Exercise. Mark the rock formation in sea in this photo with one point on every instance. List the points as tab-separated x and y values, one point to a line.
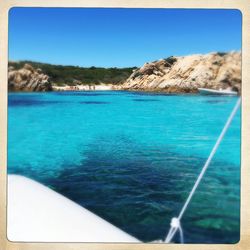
188	73
28	79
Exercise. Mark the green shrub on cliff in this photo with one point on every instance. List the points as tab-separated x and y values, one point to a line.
170	60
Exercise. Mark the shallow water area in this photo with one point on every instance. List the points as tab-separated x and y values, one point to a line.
132	157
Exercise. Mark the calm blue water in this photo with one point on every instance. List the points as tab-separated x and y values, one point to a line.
132	158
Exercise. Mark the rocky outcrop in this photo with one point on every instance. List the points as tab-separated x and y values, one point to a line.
188	73
28	79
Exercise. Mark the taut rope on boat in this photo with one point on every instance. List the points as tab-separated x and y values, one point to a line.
175	224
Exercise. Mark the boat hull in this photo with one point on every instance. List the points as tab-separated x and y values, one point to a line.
204	91
36	213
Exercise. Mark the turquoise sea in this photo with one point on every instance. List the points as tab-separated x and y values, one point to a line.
132	157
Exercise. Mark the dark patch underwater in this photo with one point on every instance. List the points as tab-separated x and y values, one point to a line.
141	93
139	189
30	102
216	101
82	93
145	100
94	102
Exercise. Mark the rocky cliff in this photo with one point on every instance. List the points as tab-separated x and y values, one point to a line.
188	73
27	79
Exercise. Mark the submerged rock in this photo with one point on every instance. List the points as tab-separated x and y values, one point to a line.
188	73
28	79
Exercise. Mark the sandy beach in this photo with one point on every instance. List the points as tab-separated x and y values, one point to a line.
83	87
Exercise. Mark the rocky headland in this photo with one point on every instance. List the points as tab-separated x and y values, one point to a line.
182	74
188	73
28	79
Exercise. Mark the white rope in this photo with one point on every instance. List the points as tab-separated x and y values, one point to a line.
174	227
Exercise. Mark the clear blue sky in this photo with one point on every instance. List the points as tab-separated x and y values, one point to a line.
118	37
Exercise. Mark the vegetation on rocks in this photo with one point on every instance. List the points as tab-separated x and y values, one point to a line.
74	75
173	74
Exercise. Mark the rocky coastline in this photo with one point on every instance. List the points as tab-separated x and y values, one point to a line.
187	74
184	74
28	79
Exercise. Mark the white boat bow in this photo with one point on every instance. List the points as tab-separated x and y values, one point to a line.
36	213
205	91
